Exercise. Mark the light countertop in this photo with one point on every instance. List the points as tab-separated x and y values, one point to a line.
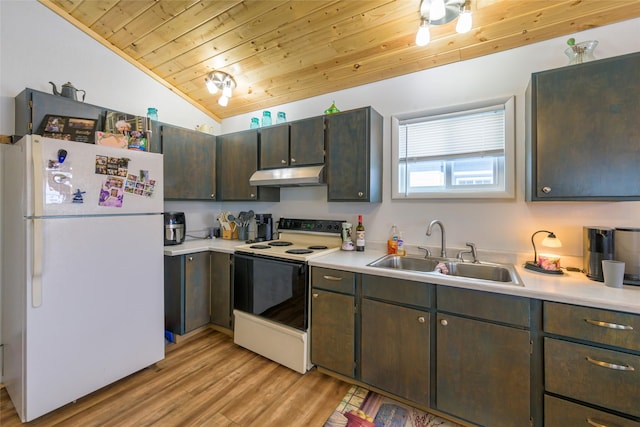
200	245
571	287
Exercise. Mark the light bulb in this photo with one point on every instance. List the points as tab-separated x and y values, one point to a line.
464	22
424	36
211	86
223	101
226	91
437	11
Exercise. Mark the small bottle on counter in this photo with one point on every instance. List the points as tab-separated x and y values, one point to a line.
360	235
255	123
392	242
400	250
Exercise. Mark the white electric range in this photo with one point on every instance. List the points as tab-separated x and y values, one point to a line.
271	289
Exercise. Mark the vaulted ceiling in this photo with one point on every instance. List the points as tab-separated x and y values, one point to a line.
280	51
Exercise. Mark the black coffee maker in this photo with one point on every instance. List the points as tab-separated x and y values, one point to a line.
264	227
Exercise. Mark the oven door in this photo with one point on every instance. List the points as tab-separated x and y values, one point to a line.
272	288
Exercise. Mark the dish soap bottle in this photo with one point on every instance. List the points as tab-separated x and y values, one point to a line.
392	243
360	235
400	251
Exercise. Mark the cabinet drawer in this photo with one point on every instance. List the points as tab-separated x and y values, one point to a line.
485	305
593	324
334	280
606	378
396	290
562	413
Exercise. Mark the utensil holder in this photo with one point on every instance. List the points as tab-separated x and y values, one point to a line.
230	234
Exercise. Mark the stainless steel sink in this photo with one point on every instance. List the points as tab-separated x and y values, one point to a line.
497	273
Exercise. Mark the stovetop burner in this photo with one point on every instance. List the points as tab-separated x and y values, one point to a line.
299	251
280	243
260	247
318	247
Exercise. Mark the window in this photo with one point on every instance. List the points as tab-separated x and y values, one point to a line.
461	152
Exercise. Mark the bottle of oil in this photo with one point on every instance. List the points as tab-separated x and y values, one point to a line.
360	235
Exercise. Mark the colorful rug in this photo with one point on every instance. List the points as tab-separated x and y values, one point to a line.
363	408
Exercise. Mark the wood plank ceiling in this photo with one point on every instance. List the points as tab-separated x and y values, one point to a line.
281	51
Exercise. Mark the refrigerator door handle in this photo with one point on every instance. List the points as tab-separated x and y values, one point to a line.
38	178
36	277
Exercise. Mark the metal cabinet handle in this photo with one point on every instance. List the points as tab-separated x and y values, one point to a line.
213	195
608	325
595	423
283	161
315	295
293	160
190	258
334	278
546	190
360	194
421	319
610	365
444	322
252	196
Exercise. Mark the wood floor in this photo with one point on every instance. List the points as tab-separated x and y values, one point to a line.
205	380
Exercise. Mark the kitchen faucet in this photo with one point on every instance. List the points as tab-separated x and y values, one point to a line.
443	243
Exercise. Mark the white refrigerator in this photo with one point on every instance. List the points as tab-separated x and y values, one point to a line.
82	269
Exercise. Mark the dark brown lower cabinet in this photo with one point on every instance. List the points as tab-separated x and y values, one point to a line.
482	371
333	334
395	349
221	267
603	377
562	413
187	292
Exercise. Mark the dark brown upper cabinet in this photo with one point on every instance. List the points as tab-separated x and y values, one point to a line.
189	164
354	156
298	143
237	161
583	131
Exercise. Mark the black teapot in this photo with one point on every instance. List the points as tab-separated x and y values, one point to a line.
68	91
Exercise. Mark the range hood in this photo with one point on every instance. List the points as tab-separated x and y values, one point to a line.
289	177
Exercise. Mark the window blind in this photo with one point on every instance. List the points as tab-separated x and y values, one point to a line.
478	133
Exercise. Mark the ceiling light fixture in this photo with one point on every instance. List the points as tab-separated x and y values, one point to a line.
439	12
219	80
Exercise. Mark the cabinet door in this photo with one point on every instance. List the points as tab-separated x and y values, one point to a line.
196	290
584	131
274	147
333	331
307	142
237	161
395	350
173	302
221	289
189	164
354	156
482	371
